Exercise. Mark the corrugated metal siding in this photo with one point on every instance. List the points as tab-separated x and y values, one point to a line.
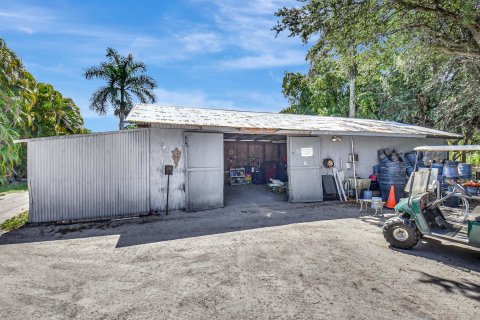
89	177
366	148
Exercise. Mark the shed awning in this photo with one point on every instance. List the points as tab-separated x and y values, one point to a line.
269	122
456	148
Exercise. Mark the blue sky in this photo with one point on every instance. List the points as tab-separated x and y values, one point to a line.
219	54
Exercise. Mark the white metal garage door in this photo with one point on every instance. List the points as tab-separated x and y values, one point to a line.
204	170
304	169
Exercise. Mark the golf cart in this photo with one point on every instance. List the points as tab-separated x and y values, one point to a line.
423	213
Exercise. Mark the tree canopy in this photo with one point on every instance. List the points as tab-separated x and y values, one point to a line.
29	109
125	80
414	61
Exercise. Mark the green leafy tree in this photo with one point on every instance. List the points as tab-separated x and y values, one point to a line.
27	110
416	61
342	30
322	91
52	114
125	79
11	99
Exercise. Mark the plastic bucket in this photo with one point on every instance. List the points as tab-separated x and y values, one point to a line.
367	194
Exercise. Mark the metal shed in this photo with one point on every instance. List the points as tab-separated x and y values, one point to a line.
105	175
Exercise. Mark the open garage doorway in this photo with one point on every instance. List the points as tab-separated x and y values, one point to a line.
255	169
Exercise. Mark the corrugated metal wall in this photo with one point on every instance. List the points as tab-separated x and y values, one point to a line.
89	177
366	147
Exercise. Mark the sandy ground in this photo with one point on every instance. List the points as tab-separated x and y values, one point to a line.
283	261
12	204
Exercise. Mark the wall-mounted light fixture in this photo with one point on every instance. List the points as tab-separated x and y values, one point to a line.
336	139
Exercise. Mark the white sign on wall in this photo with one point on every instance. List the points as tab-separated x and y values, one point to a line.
306	152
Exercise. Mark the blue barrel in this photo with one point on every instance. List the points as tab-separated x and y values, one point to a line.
465	171
409	170
472	190
410	157
392	174
438	166
450	169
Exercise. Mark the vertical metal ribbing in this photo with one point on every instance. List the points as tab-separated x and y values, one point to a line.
89	176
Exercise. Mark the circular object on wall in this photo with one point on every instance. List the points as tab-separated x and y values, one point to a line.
328	163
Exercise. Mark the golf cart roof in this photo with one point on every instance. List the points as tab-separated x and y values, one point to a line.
448	148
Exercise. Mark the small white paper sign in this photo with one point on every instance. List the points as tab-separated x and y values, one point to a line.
306	152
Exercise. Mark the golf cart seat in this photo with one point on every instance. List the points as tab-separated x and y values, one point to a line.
474	215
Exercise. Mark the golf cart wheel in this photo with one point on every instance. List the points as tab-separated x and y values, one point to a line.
401	233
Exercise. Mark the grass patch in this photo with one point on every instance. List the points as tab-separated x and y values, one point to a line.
15	187
15	222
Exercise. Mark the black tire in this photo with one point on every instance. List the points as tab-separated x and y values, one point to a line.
401	233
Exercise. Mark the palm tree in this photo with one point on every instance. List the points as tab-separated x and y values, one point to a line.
124	78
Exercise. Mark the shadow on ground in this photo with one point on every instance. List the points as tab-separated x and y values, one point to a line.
466	288
181	225
449	253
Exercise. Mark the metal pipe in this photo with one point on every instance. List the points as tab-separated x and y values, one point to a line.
413	180
354	171
168	188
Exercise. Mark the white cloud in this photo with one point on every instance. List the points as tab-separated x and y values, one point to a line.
267	60
247	27
201	42
26	19
191	98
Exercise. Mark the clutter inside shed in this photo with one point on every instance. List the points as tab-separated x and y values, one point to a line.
255	160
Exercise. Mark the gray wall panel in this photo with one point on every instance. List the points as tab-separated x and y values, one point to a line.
304	169
89	176
366	148
162	143
204	170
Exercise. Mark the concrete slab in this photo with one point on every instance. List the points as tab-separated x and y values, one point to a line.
12	204
253	194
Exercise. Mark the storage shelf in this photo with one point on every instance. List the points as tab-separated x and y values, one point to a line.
237	176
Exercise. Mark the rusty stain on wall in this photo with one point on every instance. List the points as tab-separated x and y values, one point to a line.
176	154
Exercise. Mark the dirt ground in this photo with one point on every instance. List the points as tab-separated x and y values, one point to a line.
285	261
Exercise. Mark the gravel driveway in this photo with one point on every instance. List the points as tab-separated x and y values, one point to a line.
286	261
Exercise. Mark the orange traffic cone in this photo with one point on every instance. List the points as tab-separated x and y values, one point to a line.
391	202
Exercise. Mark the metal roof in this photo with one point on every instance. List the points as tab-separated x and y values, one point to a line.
458	148
269	122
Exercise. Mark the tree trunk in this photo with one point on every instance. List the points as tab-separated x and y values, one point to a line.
122	120
121	113
352	76
466	141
